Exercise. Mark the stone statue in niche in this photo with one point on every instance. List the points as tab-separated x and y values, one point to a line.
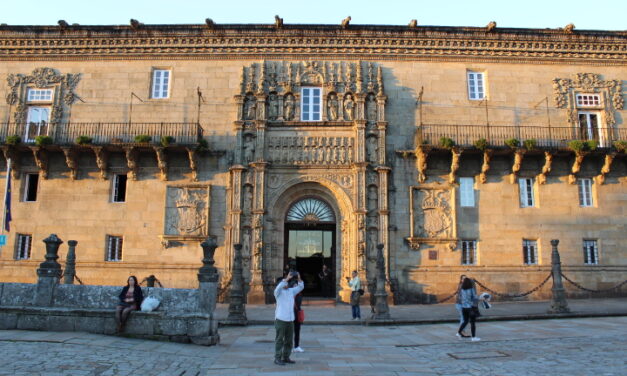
332	107
273	107
372	243
371	148
288	107
250	107
349	108
371	108
249	149
372	200
248	200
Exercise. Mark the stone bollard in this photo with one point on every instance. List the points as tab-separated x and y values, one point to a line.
208	277
49	273
381	309
70	263
237	311
558	294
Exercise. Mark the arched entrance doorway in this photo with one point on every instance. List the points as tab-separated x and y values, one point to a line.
310	237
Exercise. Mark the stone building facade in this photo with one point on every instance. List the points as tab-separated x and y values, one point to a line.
461	150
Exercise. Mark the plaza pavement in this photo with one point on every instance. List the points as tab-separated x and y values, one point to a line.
562	346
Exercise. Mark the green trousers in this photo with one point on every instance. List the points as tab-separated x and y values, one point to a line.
283	341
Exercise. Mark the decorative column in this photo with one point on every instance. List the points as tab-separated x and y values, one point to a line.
70	263
237	311
235	212
256	292
381	309
384	214
207	277
558	294
49	273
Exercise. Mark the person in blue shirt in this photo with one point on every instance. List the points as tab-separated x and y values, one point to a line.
468	300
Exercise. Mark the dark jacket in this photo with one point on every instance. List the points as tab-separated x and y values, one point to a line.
298	300
138	295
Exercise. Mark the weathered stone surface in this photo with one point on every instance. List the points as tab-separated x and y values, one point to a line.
17	294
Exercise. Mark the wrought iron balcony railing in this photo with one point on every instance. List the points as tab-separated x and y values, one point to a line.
546	137
102	133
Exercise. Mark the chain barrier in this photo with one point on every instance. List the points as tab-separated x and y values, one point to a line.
515	295
78	279
591	290
448	297
157	281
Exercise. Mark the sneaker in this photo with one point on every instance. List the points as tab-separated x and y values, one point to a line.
288	360
279	362
461	335
475	339
298	349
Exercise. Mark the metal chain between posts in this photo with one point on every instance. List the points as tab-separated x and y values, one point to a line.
78	279
515	295
448	297
591	290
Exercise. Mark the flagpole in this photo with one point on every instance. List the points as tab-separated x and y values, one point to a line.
6	189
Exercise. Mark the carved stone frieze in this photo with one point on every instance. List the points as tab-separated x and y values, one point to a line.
187	211
310	150
432	216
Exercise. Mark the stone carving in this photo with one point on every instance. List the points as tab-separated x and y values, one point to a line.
548	160
372	200
421	163
455	155
11	153
332	105
485	167
569	29
432	217
273	107
41	160
579	156
372	149
310	150
518	158
564	91
413	24
162	162
248	201
71	161
131	160
605	169
490	27
371	108
192	156
187	210
288	107
345	22
349	107
250	107
249	149
278	22
102	160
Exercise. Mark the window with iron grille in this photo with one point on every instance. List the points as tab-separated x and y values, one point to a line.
585	192
469	252
466	192
160	83
588	100
114	248
530	252
527	198
310	105
118	193
590	252
476	85
23	246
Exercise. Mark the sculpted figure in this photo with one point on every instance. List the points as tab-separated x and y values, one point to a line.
372	149
249	108
371	108
273	107
332	107
249	150
349	108
288	108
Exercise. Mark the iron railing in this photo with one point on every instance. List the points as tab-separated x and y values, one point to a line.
103	133
546	137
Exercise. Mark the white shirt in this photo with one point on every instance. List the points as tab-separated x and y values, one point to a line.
285	300
355	284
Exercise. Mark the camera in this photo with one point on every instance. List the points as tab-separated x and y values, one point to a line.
294	280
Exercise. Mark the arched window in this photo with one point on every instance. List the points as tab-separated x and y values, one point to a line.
310	210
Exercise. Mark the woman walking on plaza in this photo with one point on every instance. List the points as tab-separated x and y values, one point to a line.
355	285
130	299
469	302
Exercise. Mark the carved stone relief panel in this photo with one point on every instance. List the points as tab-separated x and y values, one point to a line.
298	150
187	210
432	216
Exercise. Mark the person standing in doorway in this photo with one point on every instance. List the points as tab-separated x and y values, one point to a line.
469	302
325	280
284	294
355	285
298	301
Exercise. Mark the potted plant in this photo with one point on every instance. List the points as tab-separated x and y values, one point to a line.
592	144
446	143
481	144
83	140
576	145
143	139
13	140
166	140
202	146
512	143
530	144
43	140
621	146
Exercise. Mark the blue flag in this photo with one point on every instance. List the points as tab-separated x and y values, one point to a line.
7	202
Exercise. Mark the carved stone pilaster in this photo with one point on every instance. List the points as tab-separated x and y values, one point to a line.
41	160
71	161
132	155
421	163
192	156
519	154
574	170
384	213
485	166
102	160
455	155
607	164
162	161
548	160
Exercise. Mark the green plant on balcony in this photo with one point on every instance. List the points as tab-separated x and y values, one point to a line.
592	144
83	140
43	140
167	140
202	146
530	144
621	146
446	143
512	143
143	139
481	144
576	145
13	140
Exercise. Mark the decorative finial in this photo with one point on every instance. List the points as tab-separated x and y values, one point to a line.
413	23
209	22
569	29
278	22
345	22
135	25
490	27
62	24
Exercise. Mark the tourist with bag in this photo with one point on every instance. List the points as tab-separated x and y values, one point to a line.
355	285
131	298
470	310
299	318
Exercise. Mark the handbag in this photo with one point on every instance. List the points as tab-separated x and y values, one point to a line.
300	316
360	291
474	312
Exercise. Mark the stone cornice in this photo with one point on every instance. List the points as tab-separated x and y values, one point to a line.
365	42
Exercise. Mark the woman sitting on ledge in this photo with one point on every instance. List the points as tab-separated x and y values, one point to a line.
130	299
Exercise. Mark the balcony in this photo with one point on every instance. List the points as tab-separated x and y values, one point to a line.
103	133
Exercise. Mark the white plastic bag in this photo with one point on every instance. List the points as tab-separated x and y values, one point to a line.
150	304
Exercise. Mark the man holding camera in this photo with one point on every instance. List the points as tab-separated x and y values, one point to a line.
284	294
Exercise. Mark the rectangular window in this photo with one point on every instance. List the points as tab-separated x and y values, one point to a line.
467	192
160	83
118	193
590	252
476	86
526	192
469	252
588	100
114	248
585	192
23	246
31	184
310	105
39	95
530	252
